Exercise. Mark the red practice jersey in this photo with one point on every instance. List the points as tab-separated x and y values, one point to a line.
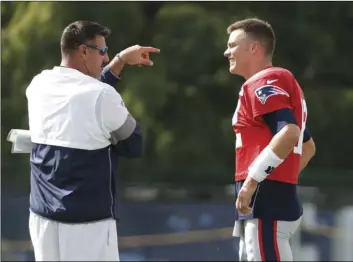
269	90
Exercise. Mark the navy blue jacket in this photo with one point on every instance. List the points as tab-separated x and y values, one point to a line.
76	186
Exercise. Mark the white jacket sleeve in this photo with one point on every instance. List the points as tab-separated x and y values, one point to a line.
113	117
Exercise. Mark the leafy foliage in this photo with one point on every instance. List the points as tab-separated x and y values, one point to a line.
186	100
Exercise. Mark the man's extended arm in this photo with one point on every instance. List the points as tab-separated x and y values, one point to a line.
111	73
131	146
134	55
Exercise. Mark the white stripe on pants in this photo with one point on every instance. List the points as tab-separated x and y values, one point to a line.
262	240
55	241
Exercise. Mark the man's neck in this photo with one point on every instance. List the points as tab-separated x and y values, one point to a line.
257	68
70	64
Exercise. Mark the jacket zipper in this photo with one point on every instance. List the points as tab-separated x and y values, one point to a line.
110	184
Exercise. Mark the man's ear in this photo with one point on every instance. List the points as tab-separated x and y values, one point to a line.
83	51
254	47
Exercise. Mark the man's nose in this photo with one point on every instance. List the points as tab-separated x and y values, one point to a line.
226	53
106	58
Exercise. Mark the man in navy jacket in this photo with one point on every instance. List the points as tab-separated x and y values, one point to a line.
79	124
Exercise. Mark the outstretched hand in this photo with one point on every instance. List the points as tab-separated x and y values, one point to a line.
138	55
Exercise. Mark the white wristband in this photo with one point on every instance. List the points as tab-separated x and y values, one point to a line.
264	164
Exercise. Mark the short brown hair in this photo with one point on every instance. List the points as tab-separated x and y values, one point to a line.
259	30
79	32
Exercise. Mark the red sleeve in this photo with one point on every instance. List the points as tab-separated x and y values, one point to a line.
268	94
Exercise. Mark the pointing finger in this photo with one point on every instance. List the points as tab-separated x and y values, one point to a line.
150	49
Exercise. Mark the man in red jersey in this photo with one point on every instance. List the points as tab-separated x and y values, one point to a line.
272	145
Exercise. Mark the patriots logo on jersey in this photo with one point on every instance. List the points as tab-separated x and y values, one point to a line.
264	92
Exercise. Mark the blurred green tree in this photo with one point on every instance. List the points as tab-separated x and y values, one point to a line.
185	102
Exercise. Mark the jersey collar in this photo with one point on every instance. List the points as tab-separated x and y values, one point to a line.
258	74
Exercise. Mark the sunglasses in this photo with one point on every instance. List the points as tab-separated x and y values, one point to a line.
102	50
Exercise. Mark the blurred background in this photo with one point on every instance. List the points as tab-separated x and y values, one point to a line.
177	203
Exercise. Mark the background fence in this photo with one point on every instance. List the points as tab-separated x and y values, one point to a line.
159	223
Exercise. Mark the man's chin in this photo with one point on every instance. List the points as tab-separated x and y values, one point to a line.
233	70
